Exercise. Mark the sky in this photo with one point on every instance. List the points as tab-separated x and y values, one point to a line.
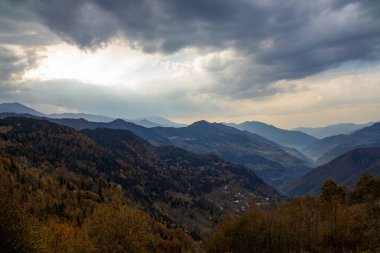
288	63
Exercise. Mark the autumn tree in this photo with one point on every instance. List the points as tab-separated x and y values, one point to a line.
120	228
18	230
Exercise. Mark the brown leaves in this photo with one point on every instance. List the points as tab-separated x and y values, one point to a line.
332	223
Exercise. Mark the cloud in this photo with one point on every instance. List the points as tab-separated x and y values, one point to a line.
14	63
276	40
19	26
344	96
246	47
21	40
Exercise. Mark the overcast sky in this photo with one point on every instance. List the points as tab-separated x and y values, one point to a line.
289	63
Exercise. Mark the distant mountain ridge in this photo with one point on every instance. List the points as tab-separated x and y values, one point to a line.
19	109
143	132
86	116
346	170
331	130
287	138
151	121
326	149
159	121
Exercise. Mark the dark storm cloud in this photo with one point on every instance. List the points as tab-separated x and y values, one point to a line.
278	39
20	27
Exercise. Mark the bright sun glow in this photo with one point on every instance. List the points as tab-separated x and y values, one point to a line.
116	64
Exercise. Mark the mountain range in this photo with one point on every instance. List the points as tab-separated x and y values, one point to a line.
287	138
324	150
346	170
273	163
141	131
150	121
191	190
331	130
277	156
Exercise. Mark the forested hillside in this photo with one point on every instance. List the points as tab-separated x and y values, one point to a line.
107	190
271	162
49	209
174	187
337	221
346	170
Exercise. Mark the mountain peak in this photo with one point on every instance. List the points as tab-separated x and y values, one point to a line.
200	123
253	122
118	121
147	123
256	124
16	107
203	124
